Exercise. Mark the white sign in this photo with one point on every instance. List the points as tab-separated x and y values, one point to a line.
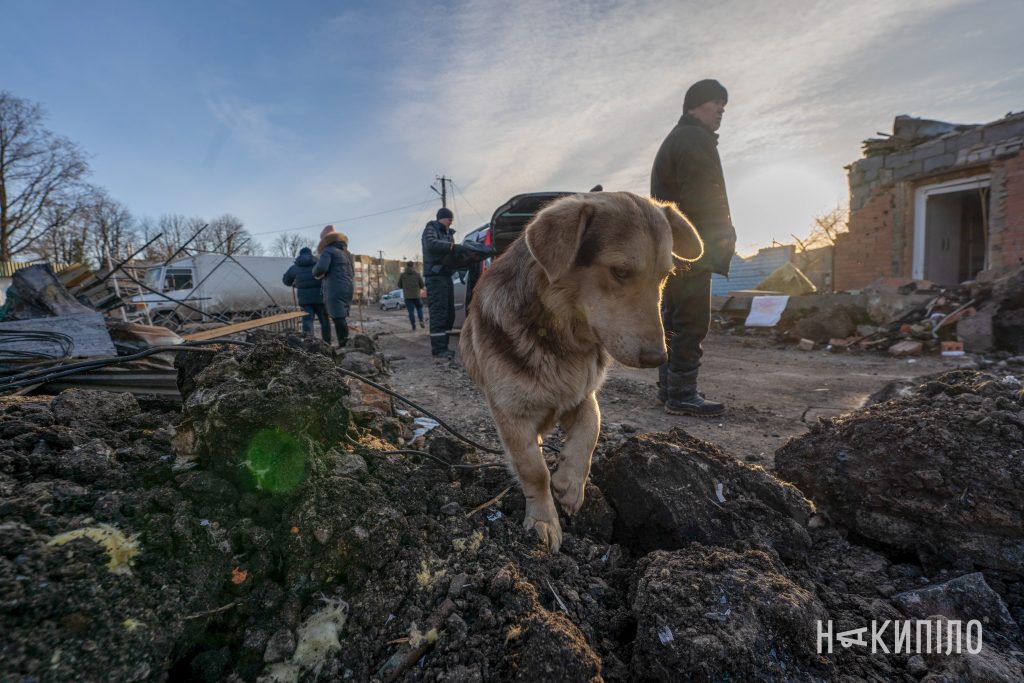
765	311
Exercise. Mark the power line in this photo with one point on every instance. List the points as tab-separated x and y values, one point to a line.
459	190
344	220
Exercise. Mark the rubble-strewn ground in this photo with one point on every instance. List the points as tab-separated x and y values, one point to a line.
264	532
773	392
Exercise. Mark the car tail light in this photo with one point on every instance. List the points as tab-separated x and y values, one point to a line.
487	241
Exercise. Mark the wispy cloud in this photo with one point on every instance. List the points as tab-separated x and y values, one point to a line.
252	124
543	94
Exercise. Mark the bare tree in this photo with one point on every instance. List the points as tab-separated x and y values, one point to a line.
111	228
227	234
174	230
827	228
37	170
66	231
812	250
289	244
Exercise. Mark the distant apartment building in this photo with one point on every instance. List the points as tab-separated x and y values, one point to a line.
374	277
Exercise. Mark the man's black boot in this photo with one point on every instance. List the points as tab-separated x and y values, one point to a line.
684	399
662	384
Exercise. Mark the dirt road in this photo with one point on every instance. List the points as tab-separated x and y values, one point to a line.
770	389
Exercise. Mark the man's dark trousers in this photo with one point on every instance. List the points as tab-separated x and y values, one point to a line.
441	304
415	308
686	314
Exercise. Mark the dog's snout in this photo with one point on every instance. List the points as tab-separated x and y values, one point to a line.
652	358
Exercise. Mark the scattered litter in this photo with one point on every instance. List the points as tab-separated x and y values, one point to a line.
423	425
494	516
665	635
1012	381
120	548
558	598
204	522
718	491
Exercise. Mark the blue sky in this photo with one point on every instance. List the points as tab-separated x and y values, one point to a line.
298	114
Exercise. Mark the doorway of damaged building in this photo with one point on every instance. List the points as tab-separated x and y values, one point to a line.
950	230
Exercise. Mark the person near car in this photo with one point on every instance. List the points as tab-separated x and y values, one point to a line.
335	269
688	172
411	282
439	248
308	293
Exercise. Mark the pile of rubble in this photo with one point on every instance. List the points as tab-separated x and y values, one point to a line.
902	318
270	530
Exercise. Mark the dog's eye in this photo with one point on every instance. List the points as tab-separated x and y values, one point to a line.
620	273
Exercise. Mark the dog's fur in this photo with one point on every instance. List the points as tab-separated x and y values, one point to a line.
582	283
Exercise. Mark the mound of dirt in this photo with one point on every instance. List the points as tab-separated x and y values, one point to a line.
718	614
937	472
672	490
270	532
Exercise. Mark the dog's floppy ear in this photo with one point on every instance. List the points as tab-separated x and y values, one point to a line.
553	237
686	242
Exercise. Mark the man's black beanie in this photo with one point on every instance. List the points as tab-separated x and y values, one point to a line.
704	91
444	213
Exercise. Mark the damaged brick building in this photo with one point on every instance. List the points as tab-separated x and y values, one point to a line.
936	201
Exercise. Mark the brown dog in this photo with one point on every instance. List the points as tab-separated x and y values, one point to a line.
581	283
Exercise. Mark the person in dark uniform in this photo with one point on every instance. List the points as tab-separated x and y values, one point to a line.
688	172
308	293
440	250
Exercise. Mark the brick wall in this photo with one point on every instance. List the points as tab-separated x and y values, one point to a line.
1006	220
880	241
865	253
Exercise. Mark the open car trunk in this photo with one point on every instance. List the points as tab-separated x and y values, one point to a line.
511	217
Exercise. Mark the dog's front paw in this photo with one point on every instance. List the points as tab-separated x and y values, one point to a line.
546	526
569	490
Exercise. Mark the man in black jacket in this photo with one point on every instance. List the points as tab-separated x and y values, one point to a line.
688	172
439	248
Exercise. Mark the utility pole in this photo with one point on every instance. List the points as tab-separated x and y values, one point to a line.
444	189
380	267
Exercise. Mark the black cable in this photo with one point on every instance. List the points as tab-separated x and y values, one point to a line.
344	220
459	190
403	399
431	456
41	359
28	378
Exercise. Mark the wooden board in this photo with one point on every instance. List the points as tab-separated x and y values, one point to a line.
88	330
242	327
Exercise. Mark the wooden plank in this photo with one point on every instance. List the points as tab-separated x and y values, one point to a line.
74	276
87	330
242	327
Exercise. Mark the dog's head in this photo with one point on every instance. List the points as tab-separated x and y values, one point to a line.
607	256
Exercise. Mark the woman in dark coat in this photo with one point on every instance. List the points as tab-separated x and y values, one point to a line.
308	293
336	270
